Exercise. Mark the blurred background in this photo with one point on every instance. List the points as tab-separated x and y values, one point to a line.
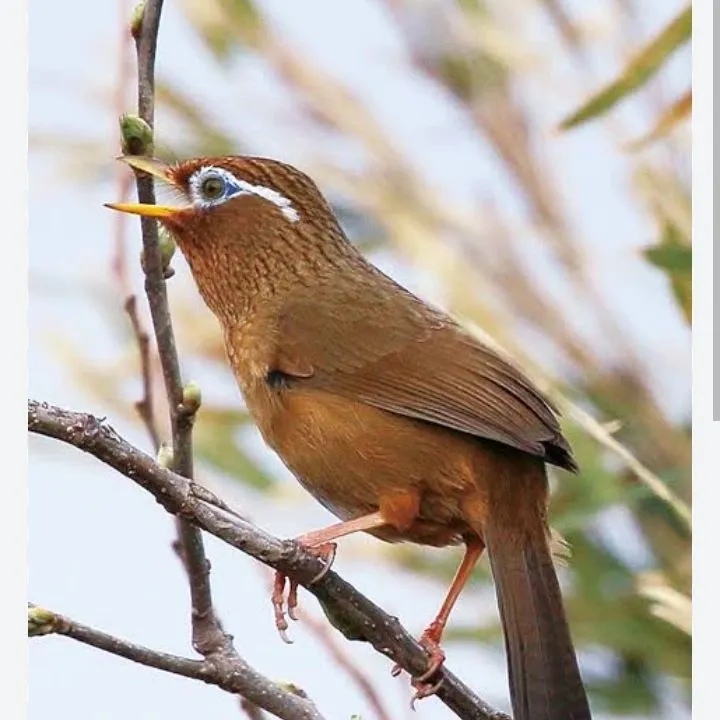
523	163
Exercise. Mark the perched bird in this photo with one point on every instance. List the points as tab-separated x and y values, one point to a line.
386	410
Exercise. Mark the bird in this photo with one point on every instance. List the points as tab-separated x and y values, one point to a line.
386	410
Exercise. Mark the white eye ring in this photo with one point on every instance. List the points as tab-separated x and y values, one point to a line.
233	187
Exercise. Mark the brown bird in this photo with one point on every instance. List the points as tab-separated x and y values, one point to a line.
386	410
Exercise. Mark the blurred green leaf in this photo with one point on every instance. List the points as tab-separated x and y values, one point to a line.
645	64
577	499
631	689
674	256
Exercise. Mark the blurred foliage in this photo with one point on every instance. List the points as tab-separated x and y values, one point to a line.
626	516
666	121
674	256
643	66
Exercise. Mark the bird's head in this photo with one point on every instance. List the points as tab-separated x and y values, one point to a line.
243	223
230	195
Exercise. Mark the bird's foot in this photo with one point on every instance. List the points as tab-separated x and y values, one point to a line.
430	641
287	607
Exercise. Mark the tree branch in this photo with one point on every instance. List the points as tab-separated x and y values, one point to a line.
356	616
238	678
208	635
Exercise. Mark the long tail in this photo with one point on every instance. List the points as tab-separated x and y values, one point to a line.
545	682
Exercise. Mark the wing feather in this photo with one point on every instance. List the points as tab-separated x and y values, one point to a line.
366	340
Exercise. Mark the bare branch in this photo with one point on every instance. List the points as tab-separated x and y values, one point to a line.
235	678
358	617
208	635
144	406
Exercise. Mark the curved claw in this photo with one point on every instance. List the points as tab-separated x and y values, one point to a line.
292	601
282	609
436	656
278	603
285	637
423	690
327	552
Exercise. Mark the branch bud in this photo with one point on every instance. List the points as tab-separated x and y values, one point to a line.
167	246
192	397
293	688
136	20
136	136
40	621
165	456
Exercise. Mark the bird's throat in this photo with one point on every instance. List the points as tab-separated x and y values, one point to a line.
238	274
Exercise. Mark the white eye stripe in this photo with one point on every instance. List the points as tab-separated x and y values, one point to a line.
233	188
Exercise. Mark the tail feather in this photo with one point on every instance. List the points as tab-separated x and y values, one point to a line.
545	682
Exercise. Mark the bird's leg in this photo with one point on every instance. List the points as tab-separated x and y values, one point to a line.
319	542
431	637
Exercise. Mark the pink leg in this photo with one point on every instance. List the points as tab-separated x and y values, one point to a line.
431	637
321	543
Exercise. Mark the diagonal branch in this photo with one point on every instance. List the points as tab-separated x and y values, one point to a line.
356	616
241	680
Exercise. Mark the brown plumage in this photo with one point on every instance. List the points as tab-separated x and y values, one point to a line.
387	411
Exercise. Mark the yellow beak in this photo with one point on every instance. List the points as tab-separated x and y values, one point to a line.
157	169
157	211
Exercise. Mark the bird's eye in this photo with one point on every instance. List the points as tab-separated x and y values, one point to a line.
212	188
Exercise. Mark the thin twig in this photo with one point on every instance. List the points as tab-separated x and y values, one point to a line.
145	405
361	619
119	263
242	680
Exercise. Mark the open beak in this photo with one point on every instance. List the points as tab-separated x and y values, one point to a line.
157	169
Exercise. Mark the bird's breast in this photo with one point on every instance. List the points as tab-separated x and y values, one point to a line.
350	456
